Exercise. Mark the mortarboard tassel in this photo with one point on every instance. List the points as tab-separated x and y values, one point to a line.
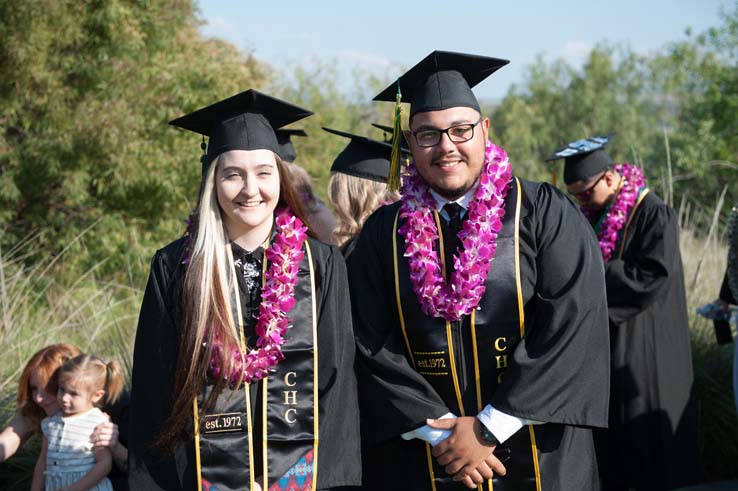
393	180
204	157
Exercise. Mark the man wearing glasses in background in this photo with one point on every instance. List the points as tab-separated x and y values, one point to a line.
479	311
651	443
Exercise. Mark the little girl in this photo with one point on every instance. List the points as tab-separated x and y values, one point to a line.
68	459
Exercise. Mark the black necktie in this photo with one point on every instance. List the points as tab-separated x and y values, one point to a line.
454	216
450	238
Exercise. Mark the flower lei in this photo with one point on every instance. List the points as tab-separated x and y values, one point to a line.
461	295
619	210
277	298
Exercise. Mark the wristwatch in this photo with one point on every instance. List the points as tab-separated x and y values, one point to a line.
487	436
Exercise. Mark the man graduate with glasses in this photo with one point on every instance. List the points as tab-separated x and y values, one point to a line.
480	311
651	443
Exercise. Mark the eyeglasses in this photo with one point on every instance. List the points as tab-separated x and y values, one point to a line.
458	133
587	193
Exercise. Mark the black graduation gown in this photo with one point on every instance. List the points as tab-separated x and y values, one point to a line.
653	415
119	415
726	294
558	373
154	361
348	247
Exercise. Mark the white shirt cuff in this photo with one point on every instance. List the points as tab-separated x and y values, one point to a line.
502	425
428	434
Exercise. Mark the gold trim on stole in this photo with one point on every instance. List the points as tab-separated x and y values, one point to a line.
477	382
264	397
315	366
397	291
476	361
534	448
264	435
518	286
404	335
430	466
521	316
242	339
630	219
198	465
195	414
452	358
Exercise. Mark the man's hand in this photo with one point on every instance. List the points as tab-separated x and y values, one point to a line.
464	454
105	435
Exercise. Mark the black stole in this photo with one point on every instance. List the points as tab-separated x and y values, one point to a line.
484	342
224	441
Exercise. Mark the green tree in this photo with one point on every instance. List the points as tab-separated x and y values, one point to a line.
315	86
86	92
700	76
557	104
685	94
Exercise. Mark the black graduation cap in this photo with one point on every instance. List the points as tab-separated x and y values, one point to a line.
442	80
245	121
583	158
388	130
363	157
287	151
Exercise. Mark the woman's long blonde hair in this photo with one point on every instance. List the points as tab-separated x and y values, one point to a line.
354	199
206	303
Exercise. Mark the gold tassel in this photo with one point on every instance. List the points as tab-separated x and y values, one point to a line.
393	180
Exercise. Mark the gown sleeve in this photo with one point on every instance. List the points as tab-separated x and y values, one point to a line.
339	451
394	398
726	294
560	370
634	283
154	357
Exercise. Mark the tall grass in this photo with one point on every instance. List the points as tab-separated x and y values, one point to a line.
43	303
704	255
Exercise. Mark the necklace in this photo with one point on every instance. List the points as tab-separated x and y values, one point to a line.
478	235
277	298
611	224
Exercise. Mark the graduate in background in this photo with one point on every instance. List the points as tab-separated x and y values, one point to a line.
358	185
724	310
480	298
652	439
320	218
243	363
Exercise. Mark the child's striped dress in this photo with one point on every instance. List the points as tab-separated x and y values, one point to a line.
70	455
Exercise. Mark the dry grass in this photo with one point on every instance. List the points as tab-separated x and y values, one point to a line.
42	305
704	255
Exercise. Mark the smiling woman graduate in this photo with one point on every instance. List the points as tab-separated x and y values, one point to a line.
244	349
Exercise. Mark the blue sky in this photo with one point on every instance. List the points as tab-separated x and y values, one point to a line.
382	36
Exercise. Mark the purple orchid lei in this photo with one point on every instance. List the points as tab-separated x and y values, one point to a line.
462	294
619	210
277	298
